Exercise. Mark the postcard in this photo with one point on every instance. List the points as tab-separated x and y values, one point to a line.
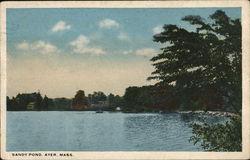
125	80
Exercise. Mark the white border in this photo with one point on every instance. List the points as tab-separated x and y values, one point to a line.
245	154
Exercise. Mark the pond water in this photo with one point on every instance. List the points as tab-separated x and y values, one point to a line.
90	131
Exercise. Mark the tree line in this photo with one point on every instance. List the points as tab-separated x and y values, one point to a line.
21	101
135	99
37	102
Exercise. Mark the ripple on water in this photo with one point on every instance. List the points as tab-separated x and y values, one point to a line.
88	131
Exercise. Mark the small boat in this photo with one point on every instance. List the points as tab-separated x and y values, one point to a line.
99	111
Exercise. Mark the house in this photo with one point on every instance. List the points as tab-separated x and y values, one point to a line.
100	104
31	106
118	108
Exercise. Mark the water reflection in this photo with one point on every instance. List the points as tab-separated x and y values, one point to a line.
188	118
158	132
197	118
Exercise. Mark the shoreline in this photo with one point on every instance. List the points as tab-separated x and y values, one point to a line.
214	113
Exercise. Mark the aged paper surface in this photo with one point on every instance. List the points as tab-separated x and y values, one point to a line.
84	43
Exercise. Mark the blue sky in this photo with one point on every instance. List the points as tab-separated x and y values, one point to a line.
59	51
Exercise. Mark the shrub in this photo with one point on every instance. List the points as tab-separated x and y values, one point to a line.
219	137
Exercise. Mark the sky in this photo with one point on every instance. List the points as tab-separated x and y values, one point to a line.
58	51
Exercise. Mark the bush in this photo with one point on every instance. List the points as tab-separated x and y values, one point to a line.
219	137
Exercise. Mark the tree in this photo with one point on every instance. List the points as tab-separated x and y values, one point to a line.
204	66
111	98
80	101
96	97
219	137
138	99
45	103
11	104
21	101
90	98
164	98
38	101
200	60
118	101
114	101
60	104
130	96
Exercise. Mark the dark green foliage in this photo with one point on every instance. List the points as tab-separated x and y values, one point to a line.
137	99
219	137
11	104
45	103
204	67
115	101
207	60
21	101
61	104
150	98
96	97
163	97
80	99
38	101
111	98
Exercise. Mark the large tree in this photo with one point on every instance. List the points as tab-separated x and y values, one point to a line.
96	97
79	101
200	60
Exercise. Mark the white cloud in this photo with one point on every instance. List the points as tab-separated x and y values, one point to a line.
157	29
123	36
81	40
44	47
108	23
81	46
24	45
40	47
127	52
60	26
147	52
